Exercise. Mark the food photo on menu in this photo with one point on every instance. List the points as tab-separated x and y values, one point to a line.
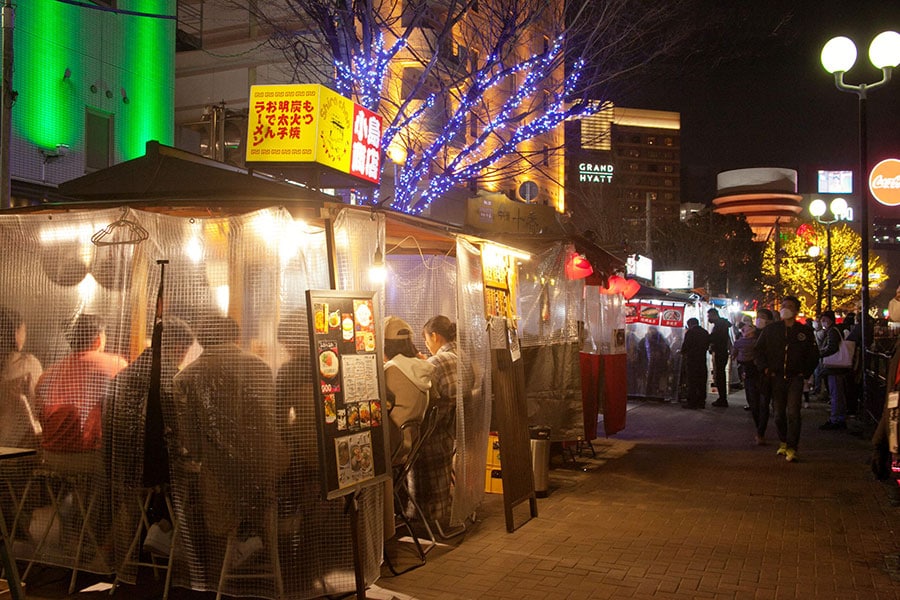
354	458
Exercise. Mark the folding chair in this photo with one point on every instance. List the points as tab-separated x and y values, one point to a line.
143	497
254	568
418	430
74	495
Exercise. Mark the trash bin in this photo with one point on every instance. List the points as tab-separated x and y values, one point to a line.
540	458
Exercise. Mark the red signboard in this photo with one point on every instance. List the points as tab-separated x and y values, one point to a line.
649	314
672	316
631	312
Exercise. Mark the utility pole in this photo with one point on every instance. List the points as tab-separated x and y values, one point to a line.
6	102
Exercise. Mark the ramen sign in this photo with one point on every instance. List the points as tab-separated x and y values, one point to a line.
884	182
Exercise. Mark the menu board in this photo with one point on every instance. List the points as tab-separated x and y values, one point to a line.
350	414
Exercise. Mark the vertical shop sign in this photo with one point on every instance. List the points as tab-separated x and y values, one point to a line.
349	388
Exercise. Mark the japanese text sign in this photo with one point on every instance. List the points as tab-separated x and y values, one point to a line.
311	123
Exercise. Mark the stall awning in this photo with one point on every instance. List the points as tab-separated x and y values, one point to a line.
173	174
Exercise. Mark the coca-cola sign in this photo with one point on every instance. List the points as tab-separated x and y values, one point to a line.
884	182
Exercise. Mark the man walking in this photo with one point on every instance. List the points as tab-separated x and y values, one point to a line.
693	352
786	353
720	348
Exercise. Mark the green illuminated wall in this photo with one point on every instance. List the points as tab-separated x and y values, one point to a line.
109	56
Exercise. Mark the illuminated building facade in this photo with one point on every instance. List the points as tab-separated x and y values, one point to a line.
765	196
623	172
213	85
93	83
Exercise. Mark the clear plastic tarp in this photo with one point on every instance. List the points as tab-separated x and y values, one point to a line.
421	286
551	326
235	394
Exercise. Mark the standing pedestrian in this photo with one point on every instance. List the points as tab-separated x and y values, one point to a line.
834	375
693	350
719	347
786	354
744	352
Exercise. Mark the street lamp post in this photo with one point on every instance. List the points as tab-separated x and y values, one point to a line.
838	208
813	252
838	57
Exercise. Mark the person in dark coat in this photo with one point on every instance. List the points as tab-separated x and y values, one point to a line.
720	348
693	350
835	376
787	355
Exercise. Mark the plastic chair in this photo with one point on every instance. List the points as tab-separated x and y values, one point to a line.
418	430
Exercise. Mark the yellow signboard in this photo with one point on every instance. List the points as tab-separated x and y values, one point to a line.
311	123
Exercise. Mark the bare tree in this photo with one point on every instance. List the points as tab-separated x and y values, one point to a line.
465	85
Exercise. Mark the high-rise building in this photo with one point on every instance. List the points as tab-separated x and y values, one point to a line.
623	173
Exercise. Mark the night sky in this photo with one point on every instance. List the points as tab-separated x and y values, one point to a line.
769	102
773	104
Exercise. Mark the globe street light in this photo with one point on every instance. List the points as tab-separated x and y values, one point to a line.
817	210
838	56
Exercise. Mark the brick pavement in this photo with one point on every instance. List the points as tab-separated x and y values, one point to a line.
680	505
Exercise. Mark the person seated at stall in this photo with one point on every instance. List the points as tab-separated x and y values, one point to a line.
315	541
135	447
226	406
70	395
432	475
19	425
19	374
407	380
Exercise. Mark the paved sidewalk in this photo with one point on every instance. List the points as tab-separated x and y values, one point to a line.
683	504
680	505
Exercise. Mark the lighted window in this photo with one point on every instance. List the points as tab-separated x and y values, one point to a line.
651	140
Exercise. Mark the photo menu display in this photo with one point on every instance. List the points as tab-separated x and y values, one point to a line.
352	438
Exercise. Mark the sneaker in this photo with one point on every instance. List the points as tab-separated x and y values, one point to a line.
832	426
244	550
782	449
159	538
790	455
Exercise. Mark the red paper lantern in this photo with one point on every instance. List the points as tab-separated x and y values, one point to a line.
630	288
578	267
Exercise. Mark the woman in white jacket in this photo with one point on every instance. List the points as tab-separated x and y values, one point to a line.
408	380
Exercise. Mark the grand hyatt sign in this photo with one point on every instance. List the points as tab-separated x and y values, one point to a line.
595	173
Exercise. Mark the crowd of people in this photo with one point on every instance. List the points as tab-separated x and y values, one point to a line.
782	362
239	438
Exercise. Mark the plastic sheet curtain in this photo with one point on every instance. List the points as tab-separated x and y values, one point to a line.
474	408
654	361
551	310
237	402
357	235
420	287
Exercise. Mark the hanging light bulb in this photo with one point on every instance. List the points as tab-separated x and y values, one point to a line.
377	272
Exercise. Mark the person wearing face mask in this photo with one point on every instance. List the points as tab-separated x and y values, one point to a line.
786	355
